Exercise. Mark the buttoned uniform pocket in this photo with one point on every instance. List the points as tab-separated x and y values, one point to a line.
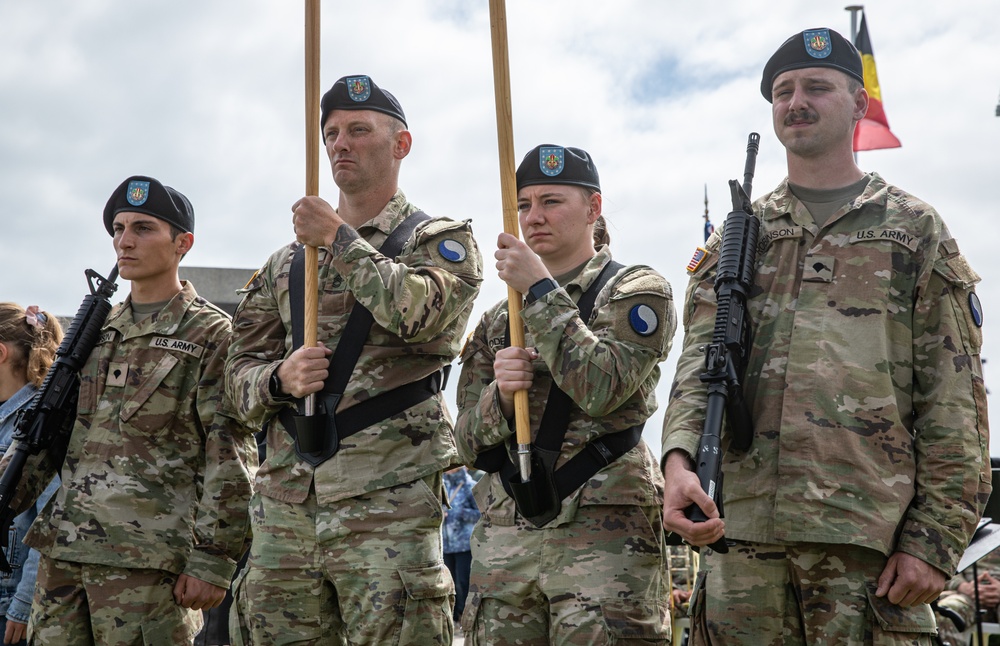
636	622
151	408
962	280
893	625
429	594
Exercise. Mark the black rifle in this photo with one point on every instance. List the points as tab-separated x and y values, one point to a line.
726	356
48	420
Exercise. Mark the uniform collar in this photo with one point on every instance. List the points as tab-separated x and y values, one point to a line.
389	217
165	322
782	202
582	281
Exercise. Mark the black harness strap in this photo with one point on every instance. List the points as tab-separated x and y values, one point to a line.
348	351
598	453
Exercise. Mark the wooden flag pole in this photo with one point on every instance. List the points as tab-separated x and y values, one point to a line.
508	195
311	311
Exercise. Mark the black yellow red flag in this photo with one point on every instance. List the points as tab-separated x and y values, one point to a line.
873	131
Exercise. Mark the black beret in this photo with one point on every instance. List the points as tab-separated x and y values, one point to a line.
359	93
549	164
813	48
143	194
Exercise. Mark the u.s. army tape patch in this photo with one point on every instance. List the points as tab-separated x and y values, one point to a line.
180	345
643	320
452	250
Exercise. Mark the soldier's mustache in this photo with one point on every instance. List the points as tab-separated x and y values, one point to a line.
802	116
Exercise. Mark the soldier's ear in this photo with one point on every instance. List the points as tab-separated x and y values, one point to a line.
404	140
184	243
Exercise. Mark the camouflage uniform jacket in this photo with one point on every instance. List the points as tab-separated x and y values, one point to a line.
157	472
421	304
606	367
864	381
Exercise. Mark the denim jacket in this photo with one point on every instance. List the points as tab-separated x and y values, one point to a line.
16	588
463	514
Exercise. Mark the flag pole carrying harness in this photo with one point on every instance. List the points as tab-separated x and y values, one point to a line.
336	427
540	500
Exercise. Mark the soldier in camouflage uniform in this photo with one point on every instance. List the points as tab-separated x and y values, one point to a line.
870	465
152	516
349	549
596	572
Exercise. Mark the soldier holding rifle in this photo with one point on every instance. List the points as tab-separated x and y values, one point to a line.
151	517
869	466
575	555
347	525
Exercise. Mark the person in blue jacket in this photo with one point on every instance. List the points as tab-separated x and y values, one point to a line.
29	339
458	523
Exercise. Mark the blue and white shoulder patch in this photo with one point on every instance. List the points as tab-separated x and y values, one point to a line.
452	250
976	309
643	320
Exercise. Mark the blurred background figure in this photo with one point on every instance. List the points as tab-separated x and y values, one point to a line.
458	523
29	339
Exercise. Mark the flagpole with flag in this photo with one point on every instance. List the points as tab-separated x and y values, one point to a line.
872	132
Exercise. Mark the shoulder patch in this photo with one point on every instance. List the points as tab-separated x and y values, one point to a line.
976	309
643	319
699	257
452	250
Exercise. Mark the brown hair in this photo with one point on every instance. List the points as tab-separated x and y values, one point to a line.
34	347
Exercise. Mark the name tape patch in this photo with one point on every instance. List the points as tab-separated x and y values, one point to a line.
166	343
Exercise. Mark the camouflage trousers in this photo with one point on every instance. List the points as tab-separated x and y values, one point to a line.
367	570
807	593
79	604
599	579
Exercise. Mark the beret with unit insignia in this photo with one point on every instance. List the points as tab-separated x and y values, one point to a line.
359	93
141	194
550	164
820	47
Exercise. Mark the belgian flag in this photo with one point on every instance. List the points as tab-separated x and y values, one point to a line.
872	132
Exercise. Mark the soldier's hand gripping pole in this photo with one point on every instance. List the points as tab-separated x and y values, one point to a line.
726	356
508	195
47	422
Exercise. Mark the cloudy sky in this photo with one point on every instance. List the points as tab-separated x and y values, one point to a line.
208	97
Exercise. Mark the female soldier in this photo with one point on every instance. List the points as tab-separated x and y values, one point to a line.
28	342
579	559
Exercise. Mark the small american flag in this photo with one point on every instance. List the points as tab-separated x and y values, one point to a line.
699	255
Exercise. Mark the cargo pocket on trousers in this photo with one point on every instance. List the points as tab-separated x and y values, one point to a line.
179	627
892	624
430	596
633	622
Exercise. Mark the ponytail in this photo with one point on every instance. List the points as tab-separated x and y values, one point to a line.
33	336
